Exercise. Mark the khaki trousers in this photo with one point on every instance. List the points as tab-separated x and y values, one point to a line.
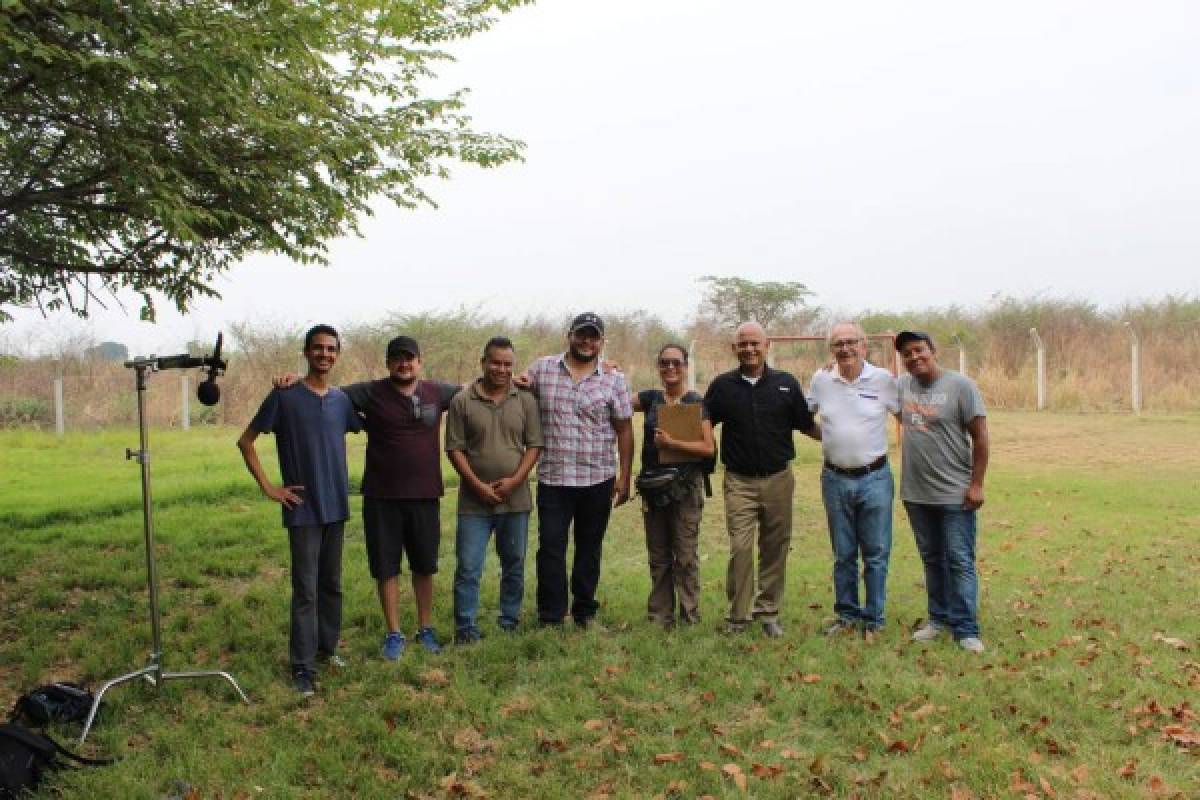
672	544
762	507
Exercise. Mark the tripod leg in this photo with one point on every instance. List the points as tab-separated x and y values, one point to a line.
212	673
147	672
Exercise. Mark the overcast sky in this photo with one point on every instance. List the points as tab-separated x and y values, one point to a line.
888	155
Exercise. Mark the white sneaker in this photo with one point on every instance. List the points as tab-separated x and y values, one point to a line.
971	644
928	632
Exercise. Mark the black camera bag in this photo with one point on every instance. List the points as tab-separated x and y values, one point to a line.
53	703
26	757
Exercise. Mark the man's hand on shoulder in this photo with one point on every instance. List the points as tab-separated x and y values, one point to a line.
285	380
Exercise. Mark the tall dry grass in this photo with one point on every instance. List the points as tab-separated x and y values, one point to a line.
1088	357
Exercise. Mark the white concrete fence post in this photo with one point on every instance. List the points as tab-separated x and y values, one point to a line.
1041	369
185	411
962	355
1135	348
60	425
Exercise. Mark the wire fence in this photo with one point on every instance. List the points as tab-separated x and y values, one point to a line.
1118	371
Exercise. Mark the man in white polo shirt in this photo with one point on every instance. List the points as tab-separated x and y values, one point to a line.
854	401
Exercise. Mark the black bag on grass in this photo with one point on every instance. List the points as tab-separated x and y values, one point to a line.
25	757
54	702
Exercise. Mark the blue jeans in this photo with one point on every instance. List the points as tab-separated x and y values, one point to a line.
471	539
946	540
859	512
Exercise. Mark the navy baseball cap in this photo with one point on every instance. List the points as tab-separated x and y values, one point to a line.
905	337
587	319
403	345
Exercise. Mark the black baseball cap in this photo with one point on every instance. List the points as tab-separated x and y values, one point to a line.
904	337
403	345
587	319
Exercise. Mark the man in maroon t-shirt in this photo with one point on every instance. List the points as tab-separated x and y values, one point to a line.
402	485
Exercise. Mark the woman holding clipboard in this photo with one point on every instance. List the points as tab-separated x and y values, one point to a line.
677	440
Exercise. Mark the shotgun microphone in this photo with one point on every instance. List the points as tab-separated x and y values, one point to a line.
208	393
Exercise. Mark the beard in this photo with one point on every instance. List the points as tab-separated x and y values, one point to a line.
582	357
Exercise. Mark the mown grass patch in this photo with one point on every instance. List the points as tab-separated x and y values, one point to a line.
1090	569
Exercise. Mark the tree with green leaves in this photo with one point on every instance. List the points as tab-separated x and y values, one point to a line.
148	145
729	301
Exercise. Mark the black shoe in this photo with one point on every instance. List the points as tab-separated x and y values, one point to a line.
302	682
842	625
583	623
467	635
772	629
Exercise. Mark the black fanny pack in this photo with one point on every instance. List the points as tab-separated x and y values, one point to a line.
665	485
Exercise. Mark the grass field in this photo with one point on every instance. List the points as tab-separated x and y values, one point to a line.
1090	567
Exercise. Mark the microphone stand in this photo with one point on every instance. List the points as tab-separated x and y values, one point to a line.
154	672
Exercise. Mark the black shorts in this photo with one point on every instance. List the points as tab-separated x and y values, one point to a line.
396	527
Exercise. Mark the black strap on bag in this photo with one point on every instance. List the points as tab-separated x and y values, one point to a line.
26	757
53	703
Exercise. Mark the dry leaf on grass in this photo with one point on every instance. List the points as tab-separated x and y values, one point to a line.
1182	736
923	712
435	677
668	758
456	787
766	771
1171	641
602	792
471	741
735	774
518	705
595	725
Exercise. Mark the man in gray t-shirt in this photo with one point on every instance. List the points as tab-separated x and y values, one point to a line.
945	459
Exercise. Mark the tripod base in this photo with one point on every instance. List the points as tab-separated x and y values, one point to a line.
154	674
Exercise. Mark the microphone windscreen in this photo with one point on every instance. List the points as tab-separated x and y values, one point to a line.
208	392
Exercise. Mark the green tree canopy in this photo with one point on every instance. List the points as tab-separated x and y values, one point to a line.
729	301
151	144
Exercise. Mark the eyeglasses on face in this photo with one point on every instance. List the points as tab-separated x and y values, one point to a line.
664	363
838	344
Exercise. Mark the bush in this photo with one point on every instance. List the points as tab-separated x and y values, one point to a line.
17	412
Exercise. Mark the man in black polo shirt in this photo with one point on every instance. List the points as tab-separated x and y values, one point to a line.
757	408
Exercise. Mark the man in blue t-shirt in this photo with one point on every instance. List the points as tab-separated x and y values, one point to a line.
310	420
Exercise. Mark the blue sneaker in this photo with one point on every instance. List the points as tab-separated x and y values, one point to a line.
428	639
393	645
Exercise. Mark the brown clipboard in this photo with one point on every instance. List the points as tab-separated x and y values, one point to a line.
684	422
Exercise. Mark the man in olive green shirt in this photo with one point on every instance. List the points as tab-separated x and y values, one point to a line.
493	439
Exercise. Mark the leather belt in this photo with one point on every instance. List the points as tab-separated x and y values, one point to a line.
858	472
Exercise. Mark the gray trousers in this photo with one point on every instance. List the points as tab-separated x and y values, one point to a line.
316	622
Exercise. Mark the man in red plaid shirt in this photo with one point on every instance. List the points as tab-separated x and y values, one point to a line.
585	411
